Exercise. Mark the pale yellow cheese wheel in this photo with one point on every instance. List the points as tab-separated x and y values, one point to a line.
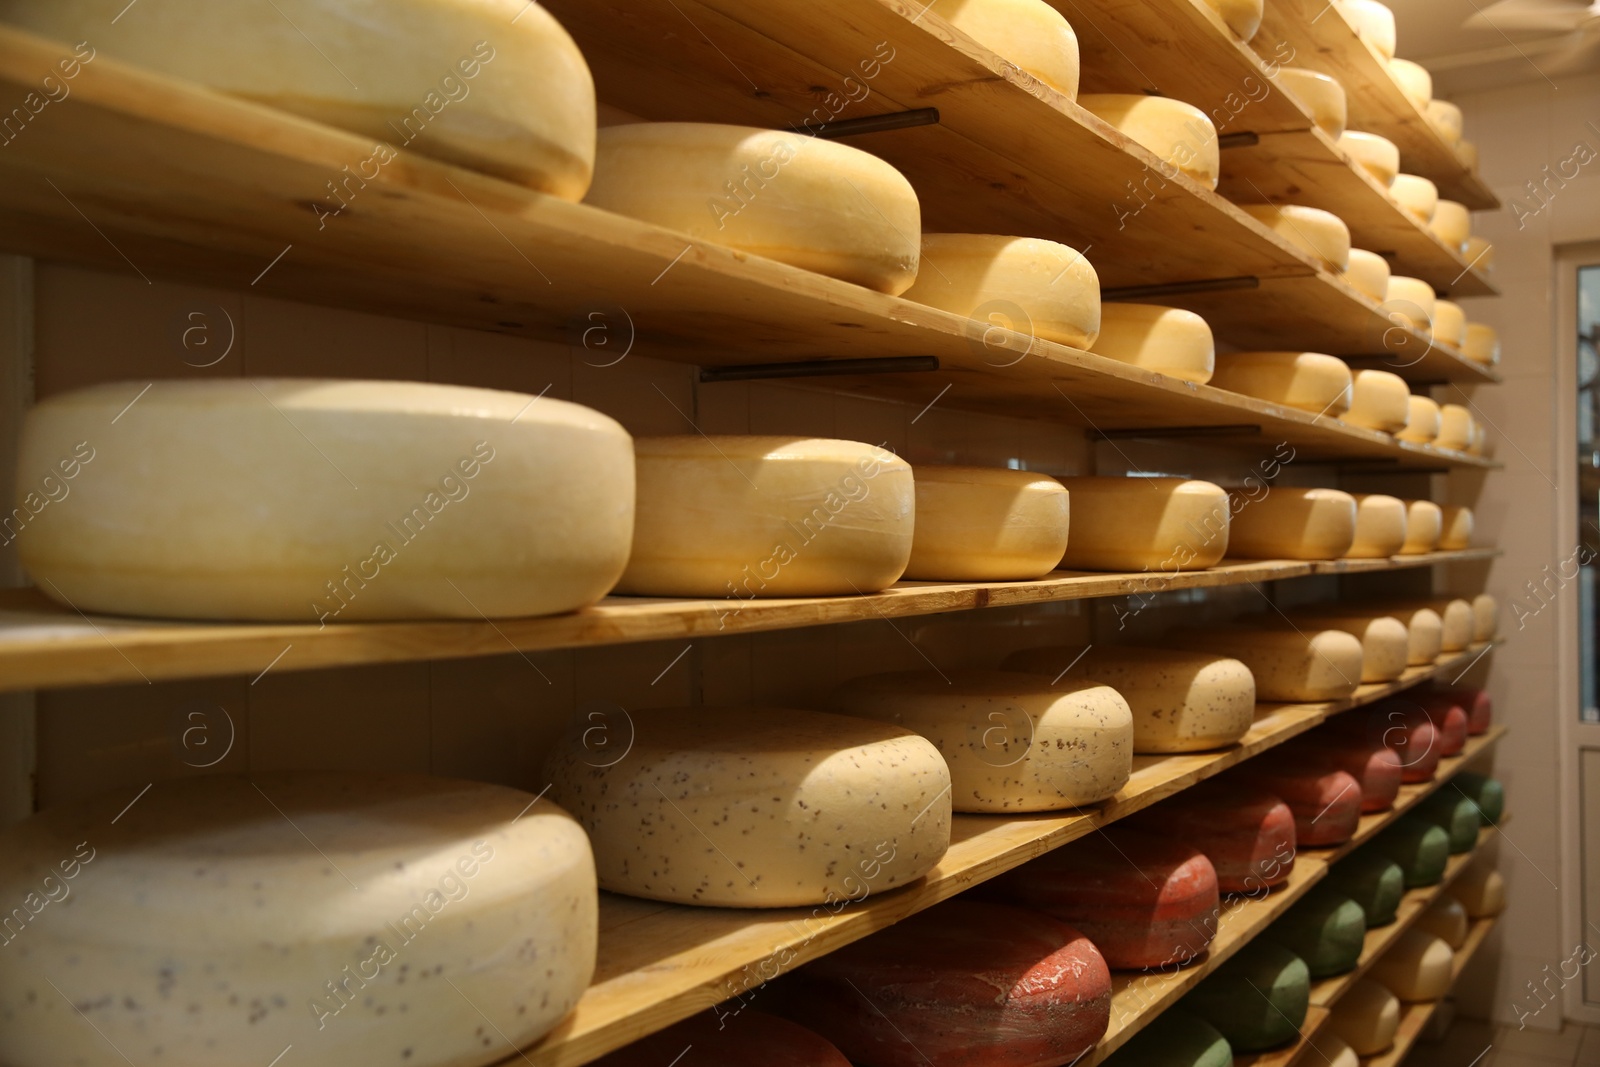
1481	343
1422	421
1413	300
218	920
495	85
752	807
1170	341
1449	323
740	516
1414	80
1455	427
1180	701
1380	526
1416	967
1337	1052
1013	741
1321	95
1308	381
1385	641
1479	444
1467	152
1368	273
1426	630
322	500
1035	287
1379	400
809	202
1366	1018
1177	133
1445	919
1378	156
1479	254
1288	664
1424	527
1291	523
1485	617
1460	621
1030	34
1452	224
1455	527
1320	233
1445	118
1480	889
1416	194
1373	21
1135	524
979	524
1243	17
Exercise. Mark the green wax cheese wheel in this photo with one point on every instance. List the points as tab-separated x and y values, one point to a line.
1327	929
1419	847
1488	793
1258	999
1372	880
1177	1038
1456	815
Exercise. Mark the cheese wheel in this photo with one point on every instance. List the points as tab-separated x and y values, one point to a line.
1414	81
1445	919
1480	254
1144	901
1379	400
1380	527
1178	134
1378	156
1479	444
1321	234
1406	728
1422	420
837	210
1479	708
754	807
1373	23
1326	929
1335	1051
1134	524
1290	523
1029	34
1455	427
1485	617
1416	194
1258	998
327	500
1459	621
1413	300
1426	631
1170	341
1013	741
1246	832
942	987
1467	153
1039	288
519	103
1452	224
1243	17
1385	642
1480	889
1449	718
1368	274
1308	381
1373	881
1445	118
985	524
1321	95
1481	344
1180	701
1487	794
749	516
1455	527
720	1037
1326	801
1366	1018
1419	847
1175	1038
1288	665
1449	323
1416	967
1456	815
1373	765
1424	527
204	927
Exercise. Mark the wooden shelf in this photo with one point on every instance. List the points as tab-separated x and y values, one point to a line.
1316	1019
1414	1017
1393	563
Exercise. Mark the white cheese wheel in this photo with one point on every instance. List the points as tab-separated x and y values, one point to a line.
1378	156
809	202
1416	194
1455	427
495	85
1175	132
1424	527
1467	152
1337	1053
986	524
1414	81
1480	889
1290	523
1379	400
1170	341
1029	34
1416	967
1321	95
1445	919
1135	524
1385	642
1449	323
1243	17
1308	381
1422	420
1480	254
1426	630
1366	1017
1455	530
1452	224
1481	343
747	807
1320	233
1013	741
1373	22
323	500
1180	701
1413	300
1460	621
1380	526
1288	664
1445	118
1368	273
214	921
1485	617
1035	287
749	516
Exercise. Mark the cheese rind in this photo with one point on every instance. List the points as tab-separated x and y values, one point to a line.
1309	381
1242	16
1449	323
1379	400
1179	134
1479	708
1326	929
1455	529
1485	617
1319	233
1321	94
1414	80
1480	889
1458	618
1366	1017
1445	919
1374	23
1372	880
1170	341
1456	815
1368	274
1385	642
1406	728
1419	847
1481	343
1258	998
1416	967
1039	288
1480	253
1030	34
1416	194
979	524
1449	718
1133	524
1455	427
1370	762
1338	1053
1175	1038
1424	527
1246	832
1487	794
1326	801
1445	118
1413	300
1288	665
1467	152
1426	630
1380	527
1422	420
720	1037
1452	224
1378	156
1291	523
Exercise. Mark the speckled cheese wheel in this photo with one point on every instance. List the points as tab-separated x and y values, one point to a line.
1013	741
732	1035
1412	299
1416	967
1445	919
1480	889
1456	814
1326	801
1426	631
1372	880
1405	727
1379	400
1378	156
1368	274
749	516
1449	718
1424	527
1258	999
1459	621
1321	234
942	987
1455	427
1455	527
1449	323
1288	665
1488	794
1419	847
1481	344
1380	526
1170	341
1422	420
1291	523
1446	119
1136	524
1480	709
983	524
805	201
327	501
1480	252
1243	17
1366	1018
1326	929
1178	134
1035	287
1452	224
1180	701
1416	194
1175	1038
1308	381
1029	34
1414	80
753	807
1373	22
1371	763
1246	832
1320	94
1336	1052
1144	901
1385	642
202	926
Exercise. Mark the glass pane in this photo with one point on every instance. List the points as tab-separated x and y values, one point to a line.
1588	484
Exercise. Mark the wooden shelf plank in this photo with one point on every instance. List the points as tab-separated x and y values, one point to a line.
1414	1017
1316	1018
1420	559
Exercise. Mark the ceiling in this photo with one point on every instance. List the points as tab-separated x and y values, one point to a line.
1462	59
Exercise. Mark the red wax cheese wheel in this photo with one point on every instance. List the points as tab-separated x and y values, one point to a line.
965	984
1326	801
1449	718
1371	763
1246	832
1404	727
1144	901
1479	709
729	1036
